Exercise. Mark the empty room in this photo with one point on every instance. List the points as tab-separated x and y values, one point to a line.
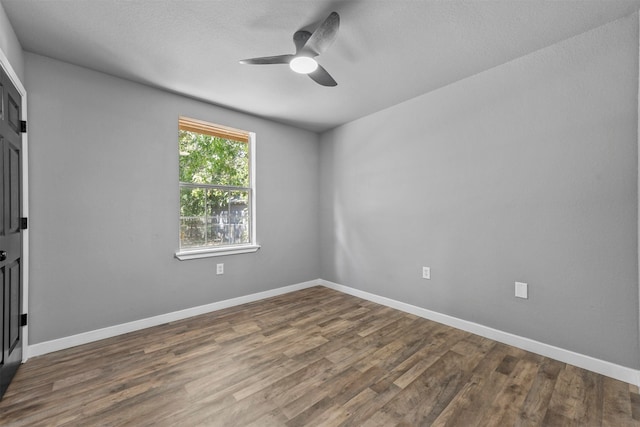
319	213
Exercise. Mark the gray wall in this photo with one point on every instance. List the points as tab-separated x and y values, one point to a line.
525	172
104	204
10	45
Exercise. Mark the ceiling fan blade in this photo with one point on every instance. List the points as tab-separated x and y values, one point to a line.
300	39
322	77
265	60
323	36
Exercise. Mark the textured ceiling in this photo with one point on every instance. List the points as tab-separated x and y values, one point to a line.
387	51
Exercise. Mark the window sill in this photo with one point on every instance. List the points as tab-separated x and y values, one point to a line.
213	252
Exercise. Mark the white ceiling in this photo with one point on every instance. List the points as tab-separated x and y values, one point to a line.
387	51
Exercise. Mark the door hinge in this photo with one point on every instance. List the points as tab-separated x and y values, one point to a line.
23	319
23	126
24	223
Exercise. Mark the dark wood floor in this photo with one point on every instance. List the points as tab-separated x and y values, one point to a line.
310	358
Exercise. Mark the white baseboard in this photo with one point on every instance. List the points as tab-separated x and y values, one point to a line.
608	369
112	331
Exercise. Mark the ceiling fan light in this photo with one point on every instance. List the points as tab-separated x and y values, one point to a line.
303	64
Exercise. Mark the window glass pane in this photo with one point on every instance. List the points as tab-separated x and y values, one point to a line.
217	209
230	217
213	217
239	231
192	217
208	159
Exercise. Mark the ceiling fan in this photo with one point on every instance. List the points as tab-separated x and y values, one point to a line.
308	46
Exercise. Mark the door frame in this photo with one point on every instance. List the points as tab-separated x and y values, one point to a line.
6	66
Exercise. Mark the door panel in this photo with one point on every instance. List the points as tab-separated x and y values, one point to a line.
10	231
2	304
3	216
14	306
13	118
14	188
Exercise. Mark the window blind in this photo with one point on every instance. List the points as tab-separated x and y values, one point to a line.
198	126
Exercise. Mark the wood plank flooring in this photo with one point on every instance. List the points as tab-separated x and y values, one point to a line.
315	357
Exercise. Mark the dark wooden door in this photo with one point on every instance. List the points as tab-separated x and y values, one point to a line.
10	231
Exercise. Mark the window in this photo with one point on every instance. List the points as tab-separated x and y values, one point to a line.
217	190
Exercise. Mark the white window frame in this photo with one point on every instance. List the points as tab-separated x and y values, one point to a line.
252	246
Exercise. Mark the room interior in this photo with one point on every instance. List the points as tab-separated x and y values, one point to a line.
494	142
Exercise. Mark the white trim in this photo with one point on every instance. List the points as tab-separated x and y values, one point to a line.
112	331
6	65
609	369
252	183
638	182
226	250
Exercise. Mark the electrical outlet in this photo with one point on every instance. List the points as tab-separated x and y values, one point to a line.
426	273
522	290
220	269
